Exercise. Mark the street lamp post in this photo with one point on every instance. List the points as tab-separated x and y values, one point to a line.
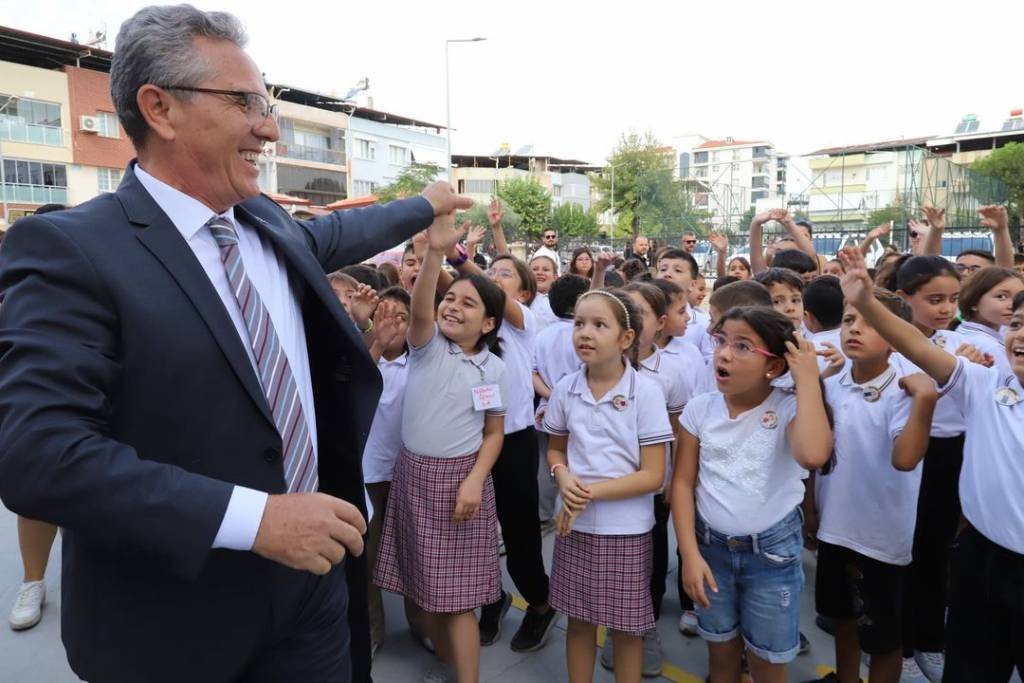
448	96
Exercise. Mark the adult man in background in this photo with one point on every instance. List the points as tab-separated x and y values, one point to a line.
549	248
181	391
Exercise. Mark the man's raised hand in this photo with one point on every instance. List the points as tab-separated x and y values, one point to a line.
443	199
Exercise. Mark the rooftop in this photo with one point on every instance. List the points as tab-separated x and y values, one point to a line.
312	98
729	142
31	49
884	146
522	162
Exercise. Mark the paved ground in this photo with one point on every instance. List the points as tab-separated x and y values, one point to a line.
37	656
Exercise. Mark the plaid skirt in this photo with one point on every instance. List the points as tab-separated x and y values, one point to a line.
604	580
442	566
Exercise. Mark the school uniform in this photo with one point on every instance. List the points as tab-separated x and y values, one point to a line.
541	309
938	516
442	566
554	357
601	571
515	473
748	524
700	373
988	341
697	332
986	609
867	511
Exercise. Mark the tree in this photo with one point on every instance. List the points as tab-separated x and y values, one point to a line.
571	220
477	215
1006	164
746	219
884	215
409	182
530	200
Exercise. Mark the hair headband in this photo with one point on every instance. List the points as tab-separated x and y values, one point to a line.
605	292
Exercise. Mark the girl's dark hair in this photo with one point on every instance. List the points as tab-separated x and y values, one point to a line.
493	298
911	273
744	262
409	248
775	330
367	275
651	294
563	294
527	282
670	289
795	260
723	281
572	262
1018	301
634	268
613	279
780	276
389	274
979	285
636	323
897	305
740	293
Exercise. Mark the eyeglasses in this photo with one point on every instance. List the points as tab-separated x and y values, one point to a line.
964	268
550	237
690	241
257	107
742	349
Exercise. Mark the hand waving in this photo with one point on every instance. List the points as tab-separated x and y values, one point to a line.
442	235
495	212
994	217
856	283
364	301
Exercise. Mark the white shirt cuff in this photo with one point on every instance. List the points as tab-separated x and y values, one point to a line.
241	520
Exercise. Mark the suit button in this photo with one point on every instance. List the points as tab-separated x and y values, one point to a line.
271	454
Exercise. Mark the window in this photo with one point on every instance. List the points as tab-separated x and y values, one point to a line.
319	187
715	170
35	182
556	191
714	156
108	126
310	138
477	187
365	149
108	179
398	156
32	121
362	188
700	157
758	194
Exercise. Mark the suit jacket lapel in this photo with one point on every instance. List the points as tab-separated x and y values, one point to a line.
164	241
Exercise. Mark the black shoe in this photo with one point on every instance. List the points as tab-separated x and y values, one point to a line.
805	645
827	678
534	630
826	624
490	619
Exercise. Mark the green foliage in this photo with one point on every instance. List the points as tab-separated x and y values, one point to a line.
884	215
477	215
647	197
571	220
746	219
409	182
530	200
1007	164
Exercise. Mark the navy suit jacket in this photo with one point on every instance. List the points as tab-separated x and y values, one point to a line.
129	409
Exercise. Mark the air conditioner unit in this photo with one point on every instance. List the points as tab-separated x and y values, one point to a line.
89	124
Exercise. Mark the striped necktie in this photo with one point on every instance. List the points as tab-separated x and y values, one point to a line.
300	467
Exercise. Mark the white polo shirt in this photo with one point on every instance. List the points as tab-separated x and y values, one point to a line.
669	372
988	341
747	480
865	504
385	439
541	308
554	355
517	353
700	374
948	419
697	332
992	478
604	443
438	416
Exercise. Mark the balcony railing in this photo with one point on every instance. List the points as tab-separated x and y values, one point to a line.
290	150
17	130
34	194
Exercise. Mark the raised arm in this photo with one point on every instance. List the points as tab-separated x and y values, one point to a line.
803	243
810	436
873	236
995	218
931	245
441	237
910	446
756	241
513	313
720	243
604	259
904	337
494	216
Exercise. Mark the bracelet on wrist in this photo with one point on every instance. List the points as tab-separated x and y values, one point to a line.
554	468
369	327
462	258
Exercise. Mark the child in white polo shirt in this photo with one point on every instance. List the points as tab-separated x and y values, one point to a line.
545	270
867	505
608	426
737	490
984	638
440	541
986	303
678	266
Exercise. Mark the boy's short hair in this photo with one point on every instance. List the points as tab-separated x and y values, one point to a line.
397	293
680	255
342	279
896	305
795	260
564	292
670	289
723	281
368	275
823	298
780	276
980	253
740	293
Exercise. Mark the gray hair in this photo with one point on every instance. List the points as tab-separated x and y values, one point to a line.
155	47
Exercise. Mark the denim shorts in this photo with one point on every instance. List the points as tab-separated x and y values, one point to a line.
760	578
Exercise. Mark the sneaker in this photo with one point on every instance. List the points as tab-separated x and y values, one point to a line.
912	672
28	605
688	624
534	630
490	619
652	654
425	642
438	673
931	664
805	645
827	678
608	652
826	624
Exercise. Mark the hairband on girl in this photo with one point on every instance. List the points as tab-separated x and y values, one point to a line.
605	292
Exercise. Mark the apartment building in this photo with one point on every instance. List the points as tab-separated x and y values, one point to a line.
478	176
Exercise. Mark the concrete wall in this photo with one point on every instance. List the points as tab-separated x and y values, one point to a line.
421	146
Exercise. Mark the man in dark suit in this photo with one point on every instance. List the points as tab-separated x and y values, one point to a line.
183	394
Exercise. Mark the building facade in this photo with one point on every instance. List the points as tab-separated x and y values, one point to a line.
478	176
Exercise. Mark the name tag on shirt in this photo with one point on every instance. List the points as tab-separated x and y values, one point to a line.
487	397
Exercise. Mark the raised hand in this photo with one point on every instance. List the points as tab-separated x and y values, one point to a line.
975	355
419	245
856	283
362	305
442	236
936	217
475	236
994	217
443	199
835	359
386	323
802	359
719	242
604	260
495	212
880	231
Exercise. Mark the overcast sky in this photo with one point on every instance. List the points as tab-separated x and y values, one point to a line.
570	77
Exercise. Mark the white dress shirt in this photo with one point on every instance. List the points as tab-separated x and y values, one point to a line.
267	272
